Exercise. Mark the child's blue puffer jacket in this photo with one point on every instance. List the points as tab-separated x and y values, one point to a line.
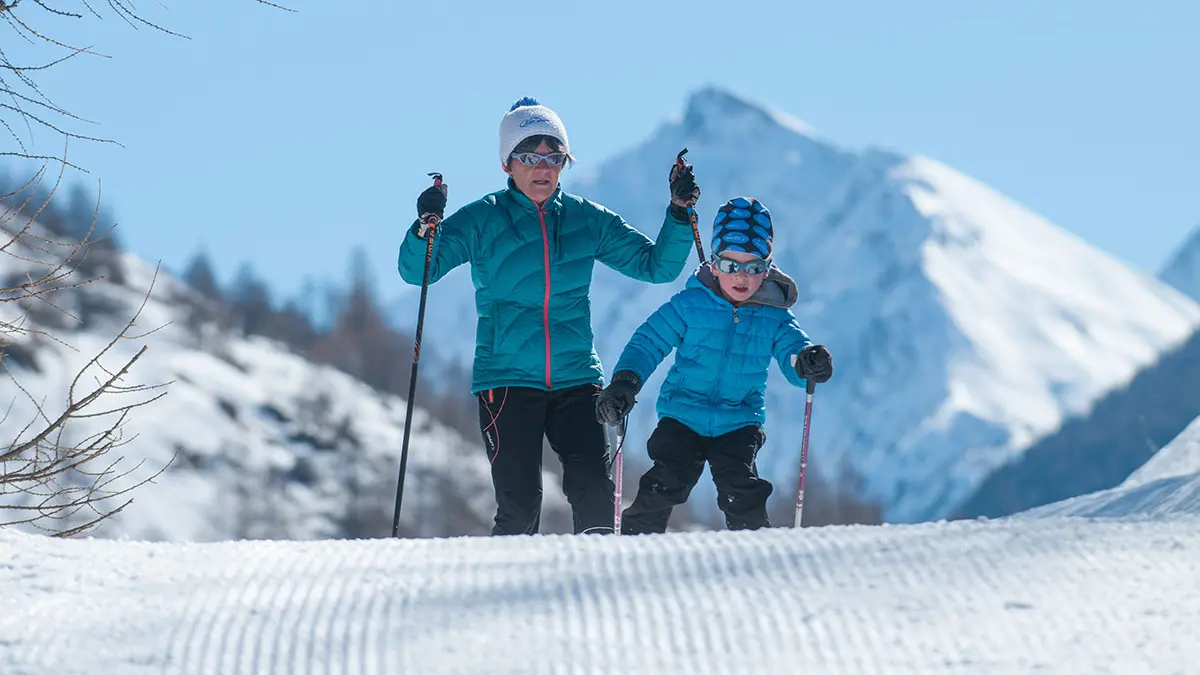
719	379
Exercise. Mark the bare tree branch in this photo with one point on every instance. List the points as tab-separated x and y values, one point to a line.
271	4
62	470
32	22
56	11
60	473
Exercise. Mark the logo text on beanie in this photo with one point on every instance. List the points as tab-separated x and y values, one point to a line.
536	119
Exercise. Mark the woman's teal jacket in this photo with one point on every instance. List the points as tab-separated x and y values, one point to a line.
532	270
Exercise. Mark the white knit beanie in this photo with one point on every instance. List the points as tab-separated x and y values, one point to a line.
528	118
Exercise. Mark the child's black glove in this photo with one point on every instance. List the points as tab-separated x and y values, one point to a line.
815	363
615	402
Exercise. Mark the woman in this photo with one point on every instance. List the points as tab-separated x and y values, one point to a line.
536	373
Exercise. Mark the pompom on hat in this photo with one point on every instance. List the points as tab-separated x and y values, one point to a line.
528	118
743	224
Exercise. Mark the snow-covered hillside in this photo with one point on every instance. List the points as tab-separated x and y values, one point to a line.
257	441
1183	270
962	325
1099	450
1168	484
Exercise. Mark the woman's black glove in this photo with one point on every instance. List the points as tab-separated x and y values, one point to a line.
684	190
431	202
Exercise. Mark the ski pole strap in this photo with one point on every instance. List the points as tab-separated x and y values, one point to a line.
696	236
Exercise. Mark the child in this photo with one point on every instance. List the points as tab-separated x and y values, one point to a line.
727	324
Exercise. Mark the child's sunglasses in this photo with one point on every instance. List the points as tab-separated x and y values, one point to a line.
754	267
533	158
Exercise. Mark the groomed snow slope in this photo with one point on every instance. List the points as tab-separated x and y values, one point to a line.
1005	596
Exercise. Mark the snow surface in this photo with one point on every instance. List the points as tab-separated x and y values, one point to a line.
1036	592
257	441
1029	593
1055	595
963	326
1183	270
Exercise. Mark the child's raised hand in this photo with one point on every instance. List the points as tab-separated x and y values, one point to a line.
618	399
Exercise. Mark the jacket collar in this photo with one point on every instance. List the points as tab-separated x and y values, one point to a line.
526	204
777	290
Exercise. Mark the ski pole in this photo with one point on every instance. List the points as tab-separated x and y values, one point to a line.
804	452
692	212
617	462
432	220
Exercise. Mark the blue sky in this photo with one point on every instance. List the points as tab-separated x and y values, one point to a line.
285	140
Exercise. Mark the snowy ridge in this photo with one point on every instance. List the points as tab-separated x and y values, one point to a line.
1181	457
258	442
1168	484
1183	270
981	597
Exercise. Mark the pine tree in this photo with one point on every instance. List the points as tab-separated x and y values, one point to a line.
199	275
250	301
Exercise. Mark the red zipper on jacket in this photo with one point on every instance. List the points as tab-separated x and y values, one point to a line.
546	298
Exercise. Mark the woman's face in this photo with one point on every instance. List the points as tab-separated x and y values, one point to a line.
537	182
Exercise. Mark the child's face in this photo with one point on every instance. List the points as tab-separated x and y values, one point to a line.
740	285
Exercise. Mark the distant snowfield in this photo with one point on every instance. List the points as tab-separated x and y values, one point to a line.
1007	596
1166	485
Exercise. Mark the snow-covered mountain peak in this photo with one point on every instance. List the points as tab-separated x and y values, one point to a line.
716	110
1183	271
1040	320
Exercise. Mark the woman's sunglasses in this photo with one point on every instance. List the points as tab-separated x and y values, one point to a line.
533	158
755	267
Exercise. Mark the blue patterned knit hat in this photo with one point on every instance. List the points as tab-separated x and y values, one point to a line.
743	224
